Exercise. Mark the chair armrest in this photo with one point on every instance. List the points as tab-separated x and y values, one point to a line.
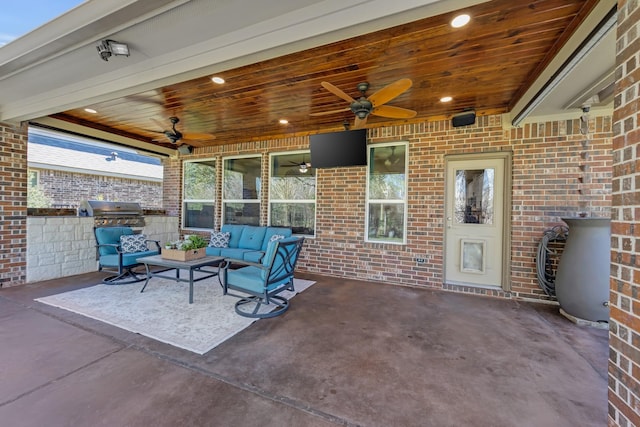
116	246
157	242
229	261
113	245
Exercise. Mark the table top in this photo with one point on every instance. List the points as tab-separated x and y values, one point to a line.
172	263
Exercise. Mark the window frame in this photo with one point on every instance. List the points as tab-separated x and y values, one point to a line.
224	201
404	202
213	201
294	201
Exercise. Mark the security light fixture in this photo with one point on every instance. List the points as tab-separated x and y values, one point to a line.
113	157
106	48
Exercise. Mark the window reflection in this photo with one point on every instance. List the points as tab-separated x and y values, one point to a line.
292	193
199	186
241	191
474	192
387	191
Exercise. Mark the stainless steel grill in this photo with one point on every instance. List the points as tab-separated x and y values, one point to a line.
112	214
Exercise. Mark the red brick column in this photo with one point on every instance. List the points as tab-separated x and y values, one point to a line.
624	336
13	204
172	186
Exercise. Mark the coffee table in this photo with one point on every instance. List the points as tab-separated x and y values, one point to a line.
196	265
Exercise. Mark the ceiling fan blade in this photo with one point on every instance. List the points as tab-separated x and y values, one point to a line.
393	112
359	123
159	124
390	91
326	113
153	131
198	136
337	92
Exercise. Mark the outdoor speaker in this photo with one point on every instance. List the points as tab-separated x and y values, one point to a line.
463	119
185	149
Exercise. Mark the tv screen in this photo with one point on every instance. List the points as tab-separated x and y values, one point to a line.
339	149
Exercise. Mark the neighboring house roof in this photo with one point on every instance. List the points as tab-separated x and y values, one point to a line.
58	152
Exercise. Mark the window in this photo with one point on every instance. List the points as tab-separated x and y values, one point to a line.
387	193
474	196
241	191
199	187
34	178
292	193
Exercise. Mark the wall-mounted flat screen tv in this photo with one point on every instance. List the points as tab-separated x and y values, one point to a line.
339	149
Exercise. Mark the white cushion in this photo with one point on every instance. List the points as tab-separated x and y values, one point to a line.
276	237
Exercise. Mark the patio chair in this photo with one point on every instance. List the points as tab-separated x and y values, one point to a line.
262	282
118	249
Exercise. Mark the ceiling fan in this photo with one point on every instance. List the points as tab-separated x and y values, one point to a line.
374	104
174	135
303	166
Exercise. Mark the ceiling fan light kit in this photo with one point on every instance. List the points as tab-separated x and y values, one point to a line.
174	135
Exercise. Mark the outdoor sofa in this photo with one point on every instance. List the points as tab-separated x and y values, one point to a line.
244	242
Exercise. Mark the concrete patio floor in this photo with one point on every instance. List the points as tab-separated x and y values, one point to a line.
346	353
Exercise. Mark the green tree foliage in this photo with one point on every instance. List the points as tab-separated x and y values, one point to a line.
200	181
36	198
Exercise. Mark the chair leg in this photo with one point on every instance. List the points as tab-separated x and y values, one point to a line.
250	307
124	278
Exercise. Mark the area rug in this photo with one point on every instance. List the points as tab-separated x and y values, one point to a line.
163	311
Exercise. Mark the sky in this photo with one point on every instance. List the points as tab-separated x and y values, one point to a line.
18	17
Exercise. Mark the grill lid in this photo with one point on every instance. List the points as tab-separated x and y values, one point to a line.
106	208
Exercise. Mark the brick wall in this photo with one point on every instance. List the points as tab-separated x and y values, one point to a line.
624	326
546	160
172	184
68	189
13	204
551	180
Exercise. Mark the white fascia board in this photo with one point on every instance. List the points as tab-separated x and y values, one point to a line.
144	147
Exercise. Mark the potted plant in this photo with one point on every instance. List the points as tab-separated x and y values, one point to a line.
191	248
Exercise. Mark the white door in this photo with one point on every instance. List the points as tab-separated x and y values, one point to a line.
475	221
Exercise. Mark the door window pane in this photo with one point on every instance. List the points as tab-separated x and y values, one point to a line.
474	194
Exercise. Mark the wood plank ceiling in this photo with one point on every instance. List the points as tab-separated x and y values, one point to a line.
486	65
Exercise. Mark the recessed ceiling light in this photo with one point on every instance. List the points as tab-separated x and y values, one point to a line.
90	110
283	121
217	80
460	21
446	99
